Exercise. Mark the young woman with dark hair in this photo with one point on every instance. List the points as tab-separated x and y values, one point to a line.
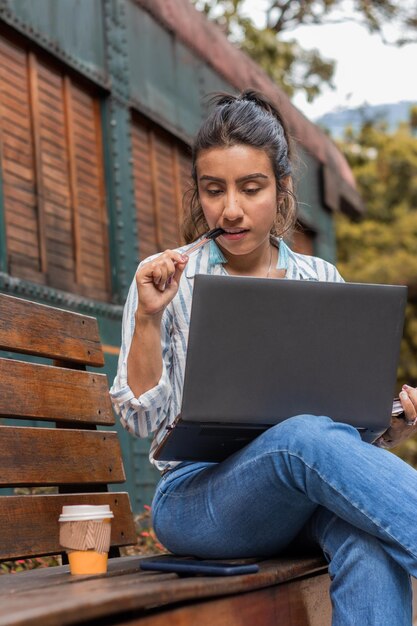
308	478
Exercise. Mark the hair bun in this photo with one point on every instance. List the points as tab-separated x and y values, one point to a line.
222	99
254	96
249	95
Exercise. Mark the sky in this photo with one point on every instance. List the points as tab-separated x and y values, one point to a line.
367	70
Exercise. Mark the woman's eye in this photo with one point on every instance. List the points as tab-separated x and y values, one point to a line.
214	192
251	190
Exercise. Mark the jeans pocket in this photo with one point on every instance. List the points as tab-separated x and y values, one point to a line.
174	477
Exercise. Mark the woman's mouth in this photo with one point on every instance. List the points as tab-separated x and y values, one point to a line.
234	234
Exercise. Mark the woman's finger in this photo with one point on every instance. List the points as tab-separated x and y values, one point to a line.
412	394
156	273
410	409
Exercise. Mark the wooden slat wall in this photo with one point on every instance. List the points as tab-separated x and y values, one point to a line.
89	194
185	170
53	175
52	164
145	204
164	153
161	173
17	162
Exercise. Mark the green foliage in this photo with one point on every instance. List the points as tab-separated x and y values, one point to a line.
286	62
21	565
147	541
381	248
413	118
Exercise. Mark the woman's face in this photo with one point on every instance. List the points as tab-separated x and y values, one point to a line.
237	190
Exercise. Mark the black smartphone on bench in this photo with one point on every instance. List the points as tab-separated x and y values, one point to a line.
186	567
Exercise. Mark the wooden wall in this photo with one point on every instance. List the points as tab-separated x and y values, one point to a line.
161	171
52	167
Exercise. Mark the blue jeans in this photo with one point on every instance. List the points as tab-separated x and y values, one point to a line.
306	477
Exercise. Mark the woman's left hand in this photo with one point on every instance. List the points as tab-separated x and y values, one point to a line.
401	427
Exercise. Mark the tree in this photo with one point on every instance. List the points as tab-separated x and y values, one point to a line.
286	62
381	248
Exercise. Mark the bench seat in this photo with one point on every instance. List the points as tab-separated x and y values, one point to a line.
292	592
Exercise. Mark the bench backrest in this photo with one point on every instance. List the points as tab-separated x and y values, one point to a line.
70	454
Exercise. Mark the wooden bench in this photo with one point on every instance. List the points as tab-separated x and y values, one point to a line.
79	461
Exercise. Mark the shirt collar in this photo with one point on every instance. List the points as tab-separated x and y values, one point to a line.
202	262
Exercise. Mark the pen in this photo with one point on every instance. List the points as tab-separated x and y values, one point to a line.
210	236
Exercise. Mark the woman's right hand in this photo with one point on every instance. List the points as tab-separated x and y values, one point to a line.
157	282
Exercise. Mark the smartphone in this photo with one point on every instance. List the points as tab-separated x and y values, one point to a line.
397	408
194	566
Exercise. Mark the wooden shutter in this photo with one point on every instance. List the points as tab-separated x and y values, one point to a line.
144	199
53	174
167	192
55	213
17	163
161	169
88	191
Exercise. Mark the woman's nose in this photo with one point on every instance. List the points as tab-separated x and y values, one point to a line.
232	209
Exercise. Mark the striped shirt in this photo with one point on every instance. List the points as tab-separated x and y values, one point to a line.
157	408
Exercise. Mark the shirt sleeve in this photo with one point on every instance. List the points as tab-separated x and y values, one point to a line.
337	277
143	415
329	272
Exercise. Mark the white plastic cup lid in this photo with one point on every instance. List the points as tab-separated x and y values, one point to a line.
83	512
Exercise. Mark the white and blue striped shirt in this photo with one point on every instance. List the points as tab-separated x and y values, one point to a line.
157	408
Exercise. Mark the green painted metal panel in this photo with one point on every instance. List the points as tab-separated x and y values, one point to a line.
109	151
167	78
306	186
211	82
307	178
123	239
74	27
196	82
152	64
126	238
189	88
146	475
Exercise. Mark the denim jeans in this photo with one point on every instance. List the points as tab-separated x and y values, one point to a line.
306	477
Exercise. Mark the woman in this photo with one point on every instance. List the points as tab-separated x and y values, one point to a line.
306	477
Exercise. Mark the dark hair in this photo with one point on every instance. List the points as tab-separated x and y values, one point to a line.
247	119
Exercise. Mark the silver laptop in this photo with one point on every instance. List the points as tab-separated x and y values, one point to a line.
262	350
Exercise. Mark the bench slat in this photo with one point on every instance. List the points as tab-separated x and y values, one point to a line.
295	603
48	456
106	597
44	392
38	329
30	523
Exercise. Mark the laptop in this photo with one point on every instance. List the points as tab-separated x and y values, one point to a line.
262	350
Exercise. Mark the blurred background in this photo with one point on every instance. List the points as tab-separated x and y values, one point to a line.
99	102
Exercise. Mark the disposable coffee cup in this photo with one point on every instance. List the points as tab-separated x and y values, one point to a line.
85	535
